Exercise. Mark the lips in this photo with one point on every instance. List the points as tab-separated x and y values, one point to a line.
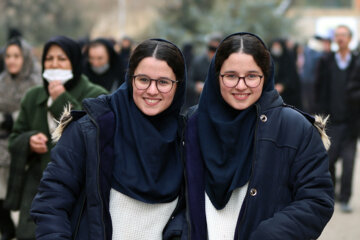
152	101
241	96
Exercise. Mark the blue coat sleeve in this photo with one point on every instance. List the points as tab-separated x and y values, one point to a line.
60	186
313	196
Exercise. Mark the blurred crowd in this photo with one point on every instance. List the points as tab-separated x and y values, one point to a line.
309	76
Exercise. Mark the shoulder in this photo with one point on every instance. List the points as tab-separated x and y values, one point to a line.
38	89
292	124
284	125
67	118
35	92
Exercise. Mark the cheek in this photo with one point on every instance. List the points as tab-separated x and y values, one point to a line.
223	90
136	95
20	62
68	66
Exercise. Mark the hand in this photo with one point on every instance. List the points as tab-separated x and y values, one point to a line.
279	87
38	143
55	89
199	87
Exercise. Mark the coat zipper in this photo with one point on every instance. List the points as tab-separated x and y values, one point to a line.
182	155
252	169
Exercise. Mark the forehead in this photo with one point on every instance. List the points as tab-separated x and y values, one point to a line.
240	62
154	68
13	48
342	29
98	49
55	49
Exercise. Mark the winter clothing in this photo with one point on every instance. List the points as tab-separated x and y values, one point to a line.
86	191
289	184
12	89
110	78
197	73
113	147
353	88
26	166
286	74
333	98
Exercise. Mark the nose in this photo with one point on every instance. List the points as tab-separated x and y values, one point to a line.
152	89
54	63
241	84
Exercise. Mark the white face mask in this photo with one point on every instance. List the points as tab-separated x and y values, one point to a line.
102	69
58	74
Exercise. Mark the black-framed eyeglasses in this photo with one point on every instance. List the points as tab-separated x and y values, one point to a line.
163	85
231	80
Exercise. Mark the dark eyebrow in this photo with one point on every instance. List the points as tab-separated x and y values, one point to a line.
249	72
144	75
231	72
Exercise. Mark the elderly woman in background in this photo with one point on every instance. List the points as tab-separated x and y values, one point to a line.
21	72
29	142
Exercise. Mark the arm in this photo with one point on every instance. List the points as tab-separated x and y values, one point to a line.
354	84
313	203
60	186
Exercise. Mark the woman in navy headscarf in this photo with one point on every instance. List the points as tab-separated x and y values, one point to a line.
116	172
256	168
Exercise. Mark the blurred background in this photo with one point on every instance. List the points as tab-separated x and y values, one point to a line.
191	22
180	21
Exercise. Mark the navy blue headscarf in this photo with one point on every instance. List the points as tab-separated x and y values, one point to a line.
226	138
147	165
73	52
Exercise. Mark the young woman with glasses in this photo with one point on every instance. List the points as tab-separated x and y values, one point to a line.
255	167
116	172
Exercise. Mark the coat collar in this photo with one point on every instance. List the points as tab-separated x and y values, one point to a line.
269	100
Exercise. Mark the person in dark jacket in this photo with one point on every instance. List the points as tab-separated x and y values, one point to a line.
117	172
29	141
198	70
126	47
333	76
101	64
287	81
256	168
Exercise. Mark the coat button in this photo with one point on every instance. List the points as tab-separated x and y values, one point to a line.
263	118
253	192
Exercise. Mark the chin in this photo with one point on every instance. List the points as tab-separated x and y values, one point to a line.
150	112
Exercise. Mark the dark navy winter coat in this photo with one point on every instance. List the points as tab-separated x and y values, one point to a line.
73	197
290	192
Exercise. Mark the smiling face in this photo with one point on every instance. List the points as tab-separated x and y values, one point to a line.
240	97
14	59
150	101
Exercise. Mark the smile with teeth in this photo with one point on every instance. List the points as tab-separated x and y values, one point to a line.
241	96
151	101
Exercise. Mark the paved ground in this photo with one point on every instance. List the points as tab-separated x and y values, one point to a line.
346	226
